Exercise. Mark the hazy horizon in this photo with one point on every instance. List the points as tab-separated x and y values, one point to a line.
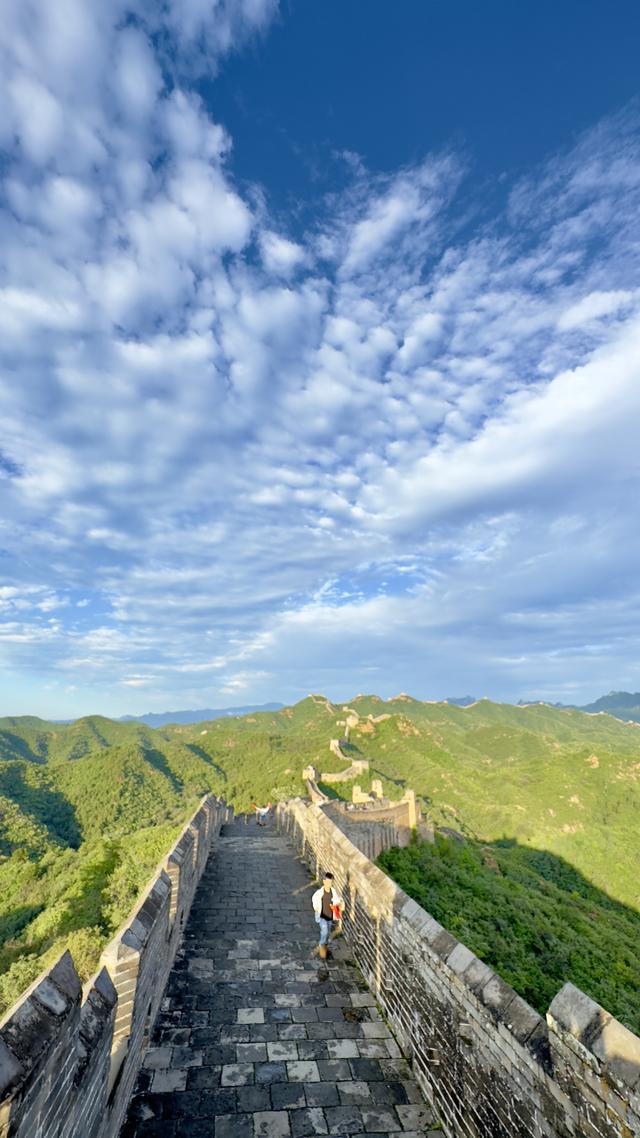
337	701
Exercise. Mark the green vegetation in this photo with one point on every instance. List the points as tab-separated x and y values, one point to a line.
73	899
88	809
622	704
530	916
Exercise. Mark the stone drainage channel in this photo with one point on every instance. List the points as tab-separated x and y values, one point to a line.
258	1038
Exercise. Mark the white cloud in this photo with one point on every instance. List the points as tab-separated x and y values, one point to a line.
242	682
137	79
594	306
279	255
137	681
388	449
38	117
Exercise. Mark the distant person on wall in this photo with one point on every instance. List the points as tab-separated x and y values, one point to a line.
327	906
262	813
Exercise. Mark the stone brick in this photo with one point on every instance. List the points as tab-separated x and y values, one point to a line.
321	1094
234	1126
11	1071
308	1122
250	1015
282	1051
342	1048
378	1120
253	1052
166	1081
619	1050
237	1074
271	1124
158	1057
344	1120
288	1096
415	1117
271	1073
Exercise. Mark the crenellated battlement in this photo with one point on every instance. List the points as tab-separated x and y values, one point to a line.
69	1056
491	1065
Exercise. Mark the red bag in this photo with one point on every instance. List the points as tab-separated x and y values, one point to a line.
337	912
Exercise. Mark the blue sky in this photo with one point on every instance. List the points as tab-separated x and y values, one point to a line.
319	352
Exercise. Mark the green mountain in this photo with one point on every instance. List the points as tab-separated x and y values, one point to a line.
86	812
622	704
87	809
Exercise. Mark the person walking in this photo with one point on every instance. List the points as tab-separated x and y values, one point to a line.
262	813
327	906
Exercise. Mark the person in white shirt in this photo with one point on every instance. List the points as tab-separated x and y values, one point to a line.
262	813
327	906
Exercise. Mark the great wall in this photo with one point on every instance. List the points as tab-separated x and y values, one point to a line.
70	1055
89	1063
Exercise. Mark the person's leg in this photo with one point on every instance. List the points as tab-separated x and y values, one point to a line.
325	929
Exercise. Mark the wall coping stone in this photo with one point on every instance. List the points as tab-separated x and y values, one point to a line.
616	1049
134	932
578	1013
477	973
51	998
103	985
460	959
497	995
429	928
65	977
523	1020
444	944
11	1070
31	1025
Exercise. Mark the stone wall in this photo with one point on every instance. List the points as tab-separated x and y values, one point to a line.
371	835
69	1058
315	794
375	826
356	768
490	1064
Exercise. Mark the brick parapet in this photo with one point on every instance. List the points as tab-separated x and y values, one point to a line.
69	1056
492	1066
356	767
370	835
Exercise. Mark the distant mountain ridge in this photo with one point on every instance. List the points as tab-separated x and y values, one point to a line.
621	704
615	703
161	718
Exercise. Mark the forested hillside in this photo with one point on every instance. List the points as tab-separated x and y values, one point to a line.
530	915
86	812
87	809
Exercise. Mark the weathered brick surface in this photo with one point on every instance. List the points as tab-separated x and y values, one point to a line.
372	831
68	1058
490	1064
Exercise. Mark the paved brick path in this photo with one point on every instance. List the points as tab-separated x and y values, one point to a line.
258	1038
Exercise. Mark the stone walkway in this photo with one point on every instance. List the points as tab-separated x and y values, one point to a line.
257	1038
